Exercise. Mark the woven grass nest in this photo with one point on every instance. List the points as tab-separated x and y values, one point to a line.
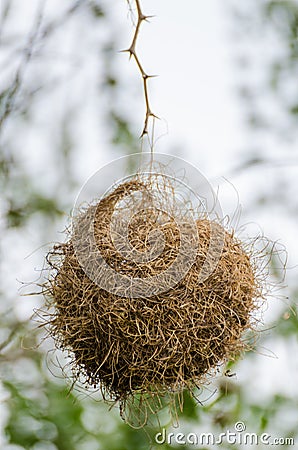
161	343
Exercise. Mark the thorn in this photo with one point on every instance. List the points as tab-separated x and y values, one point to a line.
145	18
146	76
130	51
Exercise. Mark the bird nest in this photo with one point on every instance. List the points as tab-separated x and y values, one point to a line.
160	330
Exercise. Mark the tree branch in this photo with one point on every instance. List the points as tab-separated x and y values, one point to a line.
133	53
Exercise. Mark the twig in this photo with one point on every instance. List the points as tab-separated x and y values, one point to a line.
28	53
10	337
14	89
4	14
132	52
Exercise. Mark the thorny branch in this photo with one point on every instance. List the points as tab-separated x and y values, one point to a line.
133	53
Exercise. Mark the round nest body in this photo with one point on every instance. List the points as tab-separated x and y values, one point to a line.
160	343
